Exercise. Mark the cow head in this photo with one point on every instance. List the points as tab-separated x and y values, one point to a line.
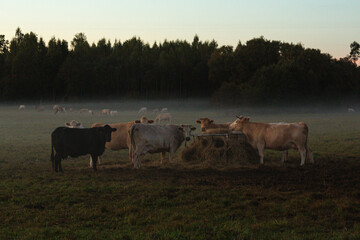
74	124
204	123
107	130
238	124
186	130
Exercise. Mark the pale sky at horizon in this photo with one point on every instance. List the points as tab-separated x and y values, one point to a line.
328	25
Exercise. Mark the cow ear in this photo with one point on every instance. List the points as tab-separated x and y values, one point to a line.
181	128
198	121
67	124
193	128
113	129
137	121
150	121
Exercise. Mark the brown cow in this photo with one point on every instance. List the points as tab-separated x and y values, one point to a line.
207	123
120	139
276	136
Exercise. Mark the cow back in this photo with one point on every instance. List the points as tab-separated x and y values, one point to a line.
77	142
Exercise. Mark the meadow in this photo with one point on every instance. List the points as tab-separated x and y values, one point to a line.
177	200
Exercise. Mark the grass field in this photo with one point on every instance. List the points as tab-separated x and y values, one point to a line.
177	201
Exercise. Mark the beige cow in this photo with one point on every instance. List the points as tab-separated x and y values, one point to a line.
276	136
207	124
163	117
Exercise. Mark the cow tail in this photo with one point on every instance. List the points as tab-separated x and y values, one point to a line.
306	138
52	155
132	142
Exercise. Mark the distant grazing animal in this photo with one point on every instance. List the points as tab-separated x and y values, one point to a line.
74	124
142	110
276	136
57	109
164	110
156	139
113	113
71	110
75	142
120	139
22	107
207	123
351	110
163	117
105	112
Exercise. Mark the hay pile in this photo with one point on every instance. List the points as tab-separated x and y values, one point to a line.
218	151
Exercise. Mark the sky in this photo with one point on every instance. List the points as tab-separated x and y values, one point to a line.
328	25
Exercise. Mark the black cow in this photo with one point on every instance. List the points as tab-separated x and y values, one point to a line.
75	142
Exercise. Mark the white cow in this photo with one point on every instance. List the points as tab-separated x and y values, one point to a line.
22	107
142	110
58	108
156	139
276	136
351	110
163	117
105	112
113	113
164	110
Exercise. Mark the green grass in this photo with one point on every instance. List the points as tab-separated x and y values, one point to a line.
174	201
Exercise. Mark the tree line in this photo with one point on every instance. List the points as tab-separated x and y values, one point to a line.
259	71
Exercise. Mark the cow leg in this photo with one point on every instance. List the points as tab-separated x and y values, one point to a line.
59	164
302	151
94	161
90	164
53	163
285	156
309	154
98	160
56	163
171	154
131	154
136	160
260	148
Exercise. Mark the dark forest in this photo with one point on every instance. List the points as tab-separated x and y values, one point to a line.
257	72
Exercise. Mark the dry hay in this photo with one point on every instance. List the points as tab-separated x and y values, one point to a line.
219	151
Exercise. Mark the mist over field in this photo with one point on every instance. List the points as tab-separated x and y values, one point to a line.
32	127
